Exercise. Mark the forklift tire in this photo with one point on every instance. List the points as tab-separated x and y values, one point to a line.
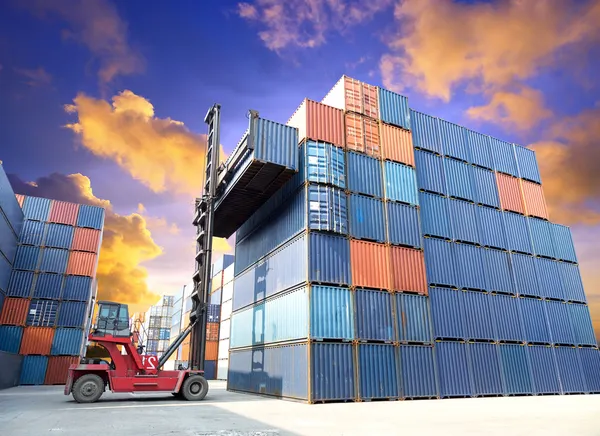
88	388
194	388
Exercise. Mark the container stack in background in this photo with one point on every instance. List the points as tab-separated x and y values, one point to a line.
408	258
225	322
52	286
159	320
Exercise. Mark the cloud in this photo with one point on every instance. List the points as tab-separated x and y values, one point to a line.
35	77
97	25
491	47
161	153
306	23
126	244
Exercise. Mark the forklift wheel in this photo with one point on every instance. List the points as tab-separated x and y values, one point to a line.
88	388
194	388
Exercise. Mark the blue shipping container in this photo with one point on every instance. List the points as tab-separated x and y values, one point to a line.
332	370
71	314
430	172
439	262
485	189
90	216
418	373
9	204
393	108
364	174
10	338
36	208
544	369
67	342
374	319
570	370
54	260
32	233
498	271
541	236
210	369
401	183
20	284
425	131
59	236
470	266
459	179
485	363
413	318
435	215
478	315
8	239
213	313
454	140
403	227
77	288
507	319
519	238
490	223
562	242
42	313
571	282
33	369
447	313
516	369
582	324
504	157
453	367
367	218
464	221
535	320
48	286
27	258
328	209
480	149
377	372
590	362
525	274
527	162
559	321
548	273
331	313
325	163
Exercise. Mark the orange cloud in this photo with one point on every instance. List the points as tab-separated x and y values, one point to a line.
126	244
35	77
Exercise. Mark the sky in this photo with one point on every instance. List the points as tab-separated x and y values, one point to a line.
103	101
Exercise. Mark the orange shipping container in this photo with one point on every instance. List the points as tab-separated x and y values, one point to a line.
20	199
63	212
362	134
86	239
37	340
82	264
58	369
318	122
396	144
408	270
212	350
353	95
370	264
533	197
212	331
14	311
185	352
510	193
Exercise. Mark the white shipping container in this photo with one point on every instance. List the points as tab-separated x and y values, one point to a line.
222	368
223	349
228	274
226	309
227	292
225	329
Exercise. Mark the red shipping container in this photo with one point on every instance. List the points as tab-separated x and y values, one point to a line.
58	369
362	134
408	270
353	95
318	122
37	340
63	212
397	144
212	331
14	311
533	197
85	239
212	350
82	264
370	264
20	199
509	189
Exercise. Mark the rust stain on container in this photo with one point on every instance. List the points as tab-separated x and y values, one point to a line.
212	331
318	122
37	340
370	264
408	270
14	311
362	134
397	144
58	369
212	350
510	193
533	197
63	212
20	199
82	264
85	239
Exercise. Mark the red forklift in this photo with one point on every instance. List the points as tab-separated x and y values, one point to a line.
131	371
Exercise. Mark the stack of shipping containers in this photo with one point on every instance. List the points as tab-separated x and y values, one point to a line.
408	258
183	352
225	322
159	320
52	287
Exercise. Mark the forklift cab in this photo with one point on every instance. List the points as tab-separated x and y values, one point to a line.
112	319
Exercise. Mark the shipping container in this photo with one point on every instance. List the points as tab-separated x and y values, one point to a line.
212	350
33	233
77	288
535	320
400	183
82	264
396	144
418	372
370	264
63	212
324	163
463	217
453	367
215	297
9	204
563	243
543	369
426	132
559	321
210	369
435	216
581	322
33	369
533	199
36	208
374	315
485	365
485	189
59	236
571	282
517	230
548	274
216	282
570	370
67	342
86	240
377	372
478	316
10	338
527	163
447	313
524	267
393	108
504	157
509	191
332	371
27	257
42	313
20	284
20	199
226	308
228	274
91	217
318	122
439	262
355	96
430	172
48	286
37	340
516	369
407	267
72	314
459	179
490	223
362	134
58	369
403	226
366	218
364	174
331	313
54	260
224	327
222	262
590	362
5	272
213	312
14	311
498	271
480	149
413	318
508	323
8	239
541	235
454	140
223	349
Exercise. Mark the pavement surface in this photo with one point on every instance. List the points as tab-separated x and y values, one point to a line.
44	410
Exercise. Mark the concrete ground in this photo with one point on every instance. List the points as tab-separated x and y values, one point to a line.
45	410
